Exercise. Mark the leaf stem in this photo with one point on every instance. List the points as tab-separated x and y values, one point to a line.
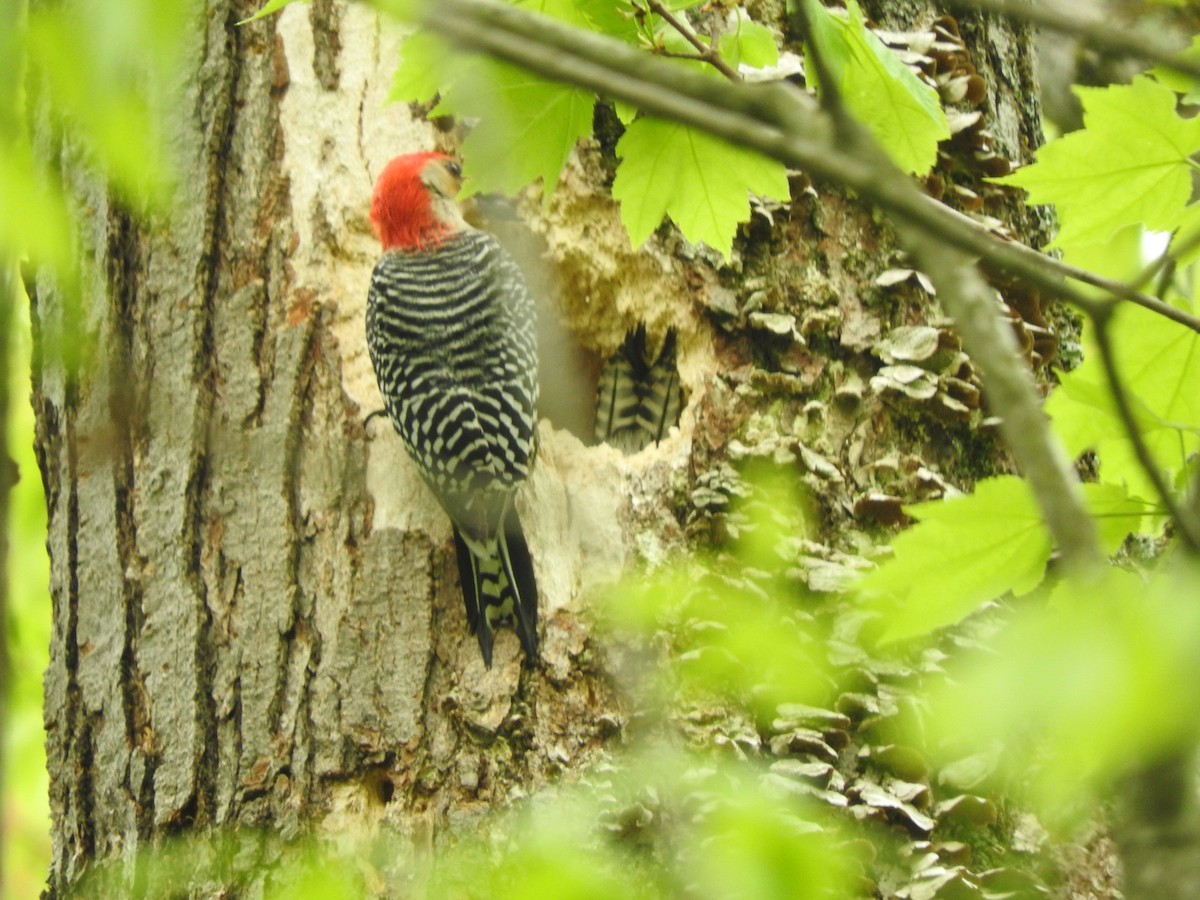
1189	528
704	52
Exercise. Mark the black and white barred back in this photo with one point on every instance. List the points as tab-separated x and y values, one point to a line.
451	333
638	397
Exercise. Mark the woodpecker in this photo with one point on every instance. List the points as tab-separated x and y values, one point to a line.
450	330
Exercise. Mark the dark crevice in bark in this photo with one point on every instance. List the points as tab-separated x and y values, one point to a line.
325	18
302	629
84	761
204	659
76	742
223	118
260	351
126	414
47	444
236	778
219	155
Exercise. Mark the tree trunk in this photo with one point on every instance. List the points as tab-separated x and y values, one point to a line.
257	619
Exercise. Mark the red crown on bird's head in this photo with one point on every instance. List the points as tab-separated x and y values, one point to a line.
402	212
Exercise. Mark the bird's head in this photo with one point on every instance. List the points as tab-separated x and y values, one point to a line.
414	205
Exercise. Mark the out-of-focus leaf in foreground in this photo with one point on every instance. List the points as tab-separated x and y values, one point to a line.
963	552
1077	690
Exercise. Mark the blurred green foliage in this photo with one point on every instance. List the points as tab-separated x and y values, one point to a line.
1081	688
97	77
24	802
93	81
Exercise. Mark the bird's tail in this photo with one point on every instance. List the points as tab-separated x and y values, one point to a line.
638	398
498	585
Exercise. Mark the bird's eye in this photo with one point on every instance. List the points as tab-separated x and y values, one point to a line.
454	169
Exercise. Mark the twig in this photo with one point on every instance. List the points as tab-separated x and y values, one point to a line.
1167	258
1011	391
1189	528
1129	292
829	90
1124	42
705	52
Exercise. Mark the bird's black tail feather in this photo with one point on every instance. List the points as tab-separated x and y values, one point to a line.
518	567
498	586
638	398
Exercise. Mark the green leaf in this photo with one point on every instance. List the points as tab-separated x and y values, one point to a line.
1159	363
626	112
749	44
902	112
568	11
1178	81
1082	680
269	8
961	553
1128	165
527	125
1186	234
425	60
612	18
700	181
1120	256
1117	514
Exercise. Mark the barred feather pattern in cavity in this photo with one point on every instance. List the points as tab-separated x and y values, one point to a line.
452	337
638	398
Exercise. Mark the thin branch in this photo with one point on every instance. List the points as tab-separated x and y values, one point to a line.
1011	391
827	85
1119	290
782	122
1169	257
1131	293
705	52
1189	528
1102	36
673	54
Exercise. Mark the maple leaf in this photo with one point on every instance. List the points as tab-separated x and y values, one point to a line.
700	181
902	112
1159	363
1128	165
962	553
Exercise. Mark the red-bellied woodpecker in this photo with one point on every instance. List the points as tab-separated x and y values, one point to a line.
450	329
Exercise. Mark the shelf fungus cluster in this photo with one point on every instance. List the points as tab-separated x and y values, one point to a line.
941	58
927	365
968	160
